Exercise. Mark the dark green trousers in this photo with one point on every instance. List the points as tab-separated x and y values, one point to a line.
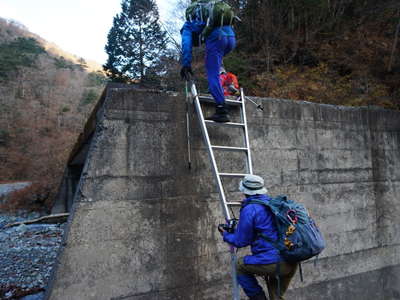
269	272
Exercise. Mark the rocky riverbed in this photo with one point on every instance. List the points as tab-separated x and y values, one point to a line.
27	255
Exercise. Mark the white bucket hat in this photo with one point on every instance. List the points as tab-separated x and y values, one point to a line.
252	185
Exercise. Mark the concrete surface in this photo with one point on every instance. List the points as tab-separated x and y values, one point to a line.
143	226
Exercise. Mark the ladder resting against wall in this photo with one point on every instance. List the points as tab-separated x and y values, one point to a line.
225	204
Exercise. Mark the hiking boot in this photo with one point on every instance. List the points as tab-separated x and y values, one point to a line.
258	297
221	114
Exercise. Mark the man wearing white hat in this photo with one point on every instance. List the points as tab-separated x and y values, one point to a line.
265	260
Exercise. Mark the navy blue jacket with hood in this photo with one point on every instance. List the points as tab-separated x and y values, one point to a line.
255	219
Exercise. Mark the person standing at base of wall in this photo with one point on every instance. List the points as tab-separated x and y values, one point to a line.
265	259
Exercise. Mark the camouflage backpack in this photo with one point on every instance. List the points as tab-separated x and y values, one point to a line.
214	13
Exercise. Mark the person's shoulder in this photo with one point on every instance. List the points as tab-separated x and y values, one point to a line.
250	205
257	204
248	210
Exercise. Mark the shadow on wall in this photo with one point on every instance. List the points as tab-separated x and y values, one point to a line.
70	182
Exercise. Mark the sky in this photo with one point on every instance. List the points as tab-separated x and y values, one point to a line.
79	27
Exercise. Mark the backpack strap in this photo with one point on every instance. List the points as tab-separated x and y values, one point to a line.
257	202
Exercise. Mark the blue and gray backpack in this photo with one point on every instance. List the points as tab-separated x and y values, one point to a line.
298	236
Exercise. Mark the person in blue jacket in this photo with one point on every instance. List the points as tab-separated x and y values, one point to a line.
219	42
265	259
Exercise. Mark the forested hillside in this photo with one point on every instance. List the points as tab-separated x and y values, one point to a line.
325	51
45	98
328	51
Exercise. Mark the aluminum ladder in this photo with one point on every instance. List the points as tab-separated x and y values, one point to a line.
240	102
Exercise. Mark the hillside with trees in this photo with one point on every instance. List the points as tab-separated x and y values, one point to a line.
45	98
136	43
328	51
325	51
139	49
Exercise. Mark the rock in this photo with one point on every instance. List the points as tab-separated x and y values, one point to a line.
34	215
27	255
21	228
8	294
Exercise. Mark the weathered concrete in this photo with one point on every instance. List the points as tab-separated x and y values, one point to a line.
143	226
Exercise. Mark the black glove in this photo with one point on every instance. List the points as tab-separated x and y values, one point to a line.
186	73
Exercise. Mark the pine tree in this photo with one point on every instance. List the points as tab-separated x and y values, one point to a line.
136	42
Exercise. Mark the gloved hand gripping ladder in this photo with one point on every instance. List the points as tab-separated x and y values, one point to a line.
218	175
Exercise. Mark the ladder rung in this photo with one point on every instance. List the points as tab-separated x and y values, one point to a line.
232	174
227	101
225	124
226	148
234	203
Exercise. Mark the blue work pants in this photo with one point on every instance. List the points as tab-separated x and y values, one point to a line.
216	49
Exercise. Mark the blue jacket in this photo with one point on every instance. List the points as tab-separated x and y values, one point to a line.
255	218
192	30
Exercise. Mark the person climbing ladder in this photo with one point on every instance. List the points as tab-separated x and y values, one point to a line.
209	21
265	259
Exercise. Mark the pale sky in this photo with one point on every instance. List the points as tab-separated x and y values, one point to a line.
76	26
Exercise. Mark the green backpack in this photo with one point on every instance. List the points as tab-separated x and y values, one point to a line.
214	13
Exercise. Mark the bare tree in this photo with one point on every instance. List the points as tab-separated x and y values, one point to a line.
396	39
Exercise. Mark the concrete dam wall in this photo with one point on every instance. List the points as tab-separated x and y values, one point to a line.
143	226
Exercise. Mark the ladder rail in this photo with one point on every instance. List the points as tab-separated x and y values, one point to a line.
246	133
217	174
188	135
204	130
